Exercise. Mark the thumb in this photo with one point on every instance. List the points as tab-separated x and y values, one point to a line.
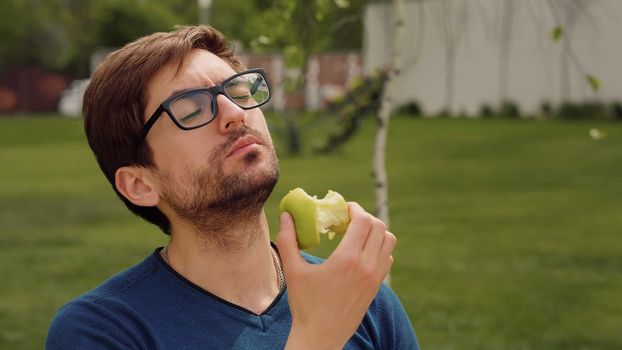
286	242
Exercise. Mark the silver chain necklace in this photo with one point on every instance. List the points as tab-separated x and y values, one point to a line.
275	259
279	269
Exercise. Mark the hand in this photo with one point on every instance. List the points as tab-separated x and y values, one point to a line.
328	301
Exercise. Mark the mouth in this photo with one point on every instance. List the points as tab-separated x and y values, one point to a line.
244	144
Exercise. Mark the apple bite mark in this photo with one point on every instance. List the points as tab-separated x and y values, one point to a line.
313	216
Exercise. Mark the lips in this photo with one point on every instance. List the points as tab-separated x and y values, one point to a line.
243	142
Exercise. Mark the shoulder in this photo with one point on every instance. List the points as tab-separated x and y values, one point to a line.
76	324
386	298
103	317
388	321
87	324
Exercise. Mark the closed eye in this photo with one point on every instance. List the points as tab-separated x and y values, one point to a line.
190	117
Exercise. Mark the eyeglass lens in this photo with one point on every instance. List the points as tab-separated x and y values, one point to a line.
198	107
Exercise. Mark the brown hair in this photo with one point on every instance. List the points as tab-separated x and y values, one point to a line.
115	100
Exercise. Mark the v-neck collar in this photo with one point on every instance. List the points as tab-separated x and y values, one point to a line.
158	257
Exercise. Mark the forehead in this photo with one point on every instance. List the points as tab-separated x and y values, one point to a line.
200	68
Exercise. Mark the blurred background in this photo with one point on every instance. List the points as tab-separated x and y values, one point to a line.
504	153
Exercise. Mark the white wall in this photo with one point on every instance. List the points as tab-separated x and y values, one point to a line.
536	63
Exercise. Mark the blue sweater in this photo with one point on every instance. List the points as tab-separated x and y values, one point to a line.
150	306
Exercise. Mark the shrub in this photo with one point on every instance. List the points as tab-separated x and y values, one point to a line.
362	99
412	108
444	113
585	110
546	110
486	111
462	113
616	110
509	109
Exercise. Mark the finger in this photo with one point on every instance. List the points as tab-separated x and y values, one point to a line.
388	244
357	232
387	266
286	242
374	240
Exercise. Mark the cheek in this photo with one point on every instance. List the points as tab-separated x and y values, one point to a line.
258	122
186	147
165	156
161	128
176	158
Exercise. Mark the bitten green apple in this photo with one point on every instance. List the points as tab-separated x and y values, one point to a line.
313	216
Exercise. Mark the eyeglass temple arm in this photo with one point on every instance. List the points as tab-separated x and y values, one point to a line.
150	122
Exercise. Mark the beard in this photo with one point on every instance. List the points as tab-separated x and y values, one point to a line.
213	202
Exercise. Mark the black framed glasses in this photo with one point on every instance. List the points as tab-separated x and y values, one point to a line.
195	108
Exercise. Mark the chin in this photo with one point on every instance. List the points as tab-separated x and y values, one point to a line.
246	191
261	167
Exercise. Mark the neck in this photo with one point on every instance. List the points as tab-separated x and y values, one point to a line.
234	264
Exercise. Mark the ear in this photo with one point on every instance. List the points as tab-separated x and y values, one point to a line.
135	185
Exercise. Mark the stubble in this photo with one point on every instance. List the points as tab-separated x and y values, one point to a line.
215	203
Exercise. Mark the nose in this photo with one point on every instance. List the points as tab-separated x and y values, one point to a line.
230	116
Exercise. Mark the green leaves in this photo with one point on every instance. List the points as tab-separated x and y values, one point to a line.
299	28
294	56
593	81
294	59
342	4
62	34
557	33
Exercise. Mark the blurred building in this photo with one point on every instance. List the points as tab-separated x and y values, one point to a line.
30	89
458	55
327	76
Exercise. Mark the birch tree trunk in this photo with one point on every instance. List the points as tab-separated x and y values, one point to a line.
384	114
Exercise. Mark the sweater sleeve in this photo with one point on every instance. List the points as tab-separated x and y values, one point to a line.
394	328
84	324
385	325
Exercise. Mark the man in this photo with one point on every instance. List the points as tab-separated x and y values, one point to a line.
172	119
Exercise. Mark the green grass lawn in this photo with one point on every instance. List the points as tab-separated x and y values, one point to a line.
509	231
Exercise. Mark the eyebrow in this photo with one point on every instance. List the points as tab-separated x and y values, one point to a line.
179	91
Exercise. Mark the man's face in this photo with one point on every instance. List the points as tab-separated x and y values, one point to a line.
218	172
